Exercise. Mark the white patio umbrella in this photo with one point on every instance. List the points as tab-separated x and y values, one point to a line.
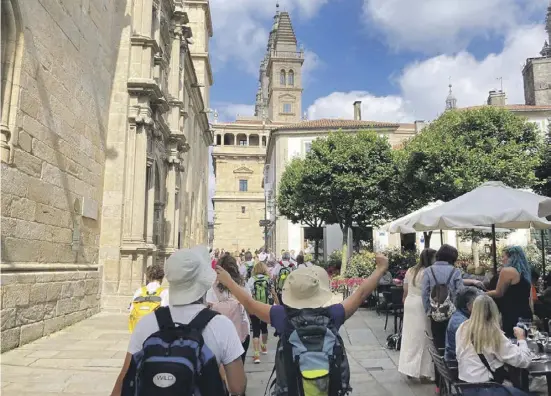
402	226
492	204
545	208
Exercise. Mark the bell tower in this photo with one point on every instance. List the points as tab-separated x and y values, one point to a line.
283	63
537	72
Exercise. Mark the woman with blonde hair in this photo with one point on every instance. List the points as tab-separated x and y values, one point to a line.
262	289
482	349
415	359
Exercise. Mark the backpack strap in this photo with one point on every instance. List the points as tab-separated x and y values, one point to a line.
450	277
433	274
202	319
164	318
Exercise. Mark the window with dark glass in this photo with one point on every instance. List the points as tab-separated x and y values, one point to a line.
243	185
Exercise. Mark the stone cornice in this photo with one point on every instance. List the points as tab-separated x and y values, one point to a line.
239	156
234	198
206	57
144	41
148	87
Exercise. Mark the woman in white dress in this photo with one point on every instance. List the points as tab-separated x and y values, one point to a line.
415	360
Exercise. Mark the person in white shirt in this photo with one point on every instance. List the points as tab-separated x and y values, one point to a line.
263	256
481	345
154	275
190	276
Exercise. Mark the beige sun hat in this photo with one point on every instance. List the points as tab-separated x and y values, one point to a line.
307	287
189	274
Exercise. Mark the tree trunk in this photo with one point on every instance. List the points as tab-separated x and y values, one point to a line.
344	249
316	249
475	250
427	236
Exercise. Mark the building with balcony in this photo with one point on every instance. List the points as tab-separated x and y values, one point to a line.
104	148
240	147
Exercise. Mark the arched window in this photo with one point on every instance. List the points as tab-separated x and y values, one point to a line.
291	78
282	78
11	46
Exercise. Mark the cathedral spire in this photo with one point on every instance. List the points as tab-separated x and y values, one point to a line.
451	101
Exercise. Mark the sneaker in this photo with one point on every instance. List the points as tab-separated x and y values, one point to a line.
256	359
264	349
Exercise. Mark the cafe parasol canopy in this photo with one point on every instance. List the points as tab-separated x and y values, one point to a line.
491	204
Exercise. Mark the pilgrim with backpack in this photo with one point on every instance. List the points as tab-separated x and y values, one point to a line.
262	290
311	358
178	350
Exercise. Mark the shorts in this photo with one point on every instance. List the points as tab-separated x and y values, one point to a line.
258	326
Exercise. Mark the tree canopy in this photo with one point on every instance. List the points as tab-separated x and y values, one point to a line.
354	173
464	148
299	200
543	170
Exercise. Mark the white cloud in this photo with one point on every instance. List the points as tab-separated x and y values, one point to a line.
424	85
241	28
339	105
311	62
446	25
229	111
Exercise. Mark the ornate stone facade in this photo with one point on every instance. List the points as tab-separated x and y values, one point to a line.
104	144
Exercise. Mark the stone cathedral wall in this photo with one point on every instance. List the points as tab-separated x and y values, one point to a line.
52	178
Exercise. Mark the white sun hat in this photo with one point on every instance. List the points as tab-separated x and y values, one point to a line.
189	275
307	287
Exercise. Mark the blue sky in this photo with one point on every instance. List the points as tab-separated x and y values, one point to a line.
397	56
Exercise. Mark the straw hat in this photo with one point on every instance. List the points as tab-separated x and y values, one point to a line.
307	287
189	275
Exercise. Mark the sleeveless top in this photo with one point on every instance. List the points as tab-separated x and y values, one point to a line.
515	304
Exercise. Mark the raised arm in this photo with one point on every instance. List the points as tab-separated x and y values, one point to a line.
352	303
253	307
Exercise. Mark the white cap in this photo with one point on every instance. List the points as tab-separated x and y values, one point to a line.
189	275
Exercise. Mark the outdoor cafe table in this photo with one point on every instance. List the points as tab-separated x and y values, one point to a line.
537	368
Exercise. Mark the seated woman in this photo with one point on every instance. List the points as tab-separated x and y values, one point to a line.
482	349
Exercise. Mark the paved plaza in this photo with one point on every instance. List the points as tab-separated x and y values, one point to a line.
85	359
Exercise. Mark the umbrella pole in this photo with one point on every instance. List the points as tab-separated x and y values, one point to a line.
494	248
543	253
441	238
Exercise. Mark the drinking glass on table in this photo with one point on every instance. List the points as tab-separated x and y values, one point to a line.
544	340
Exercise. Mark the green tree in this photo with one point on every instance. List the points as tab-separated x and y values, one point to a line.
476	237
301	201
464	148
354	174
543	170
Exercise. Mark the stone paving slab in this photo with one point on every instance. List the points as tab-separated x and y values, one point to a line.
85	360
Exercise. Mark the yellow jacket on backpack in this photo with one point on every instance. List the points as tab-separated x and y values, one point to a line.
144	304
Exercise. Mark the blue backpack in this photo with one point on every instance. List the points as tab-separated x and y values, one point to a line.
175	361
311	358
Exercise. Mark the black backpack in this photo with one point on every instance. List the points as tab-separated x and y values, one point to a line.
175	361
310	357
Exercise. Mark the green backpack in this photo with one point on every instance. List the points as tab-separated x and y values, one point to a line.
282	277
261	290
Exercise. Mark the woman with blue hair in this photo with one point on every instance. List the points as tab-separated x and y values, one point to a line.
513	289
